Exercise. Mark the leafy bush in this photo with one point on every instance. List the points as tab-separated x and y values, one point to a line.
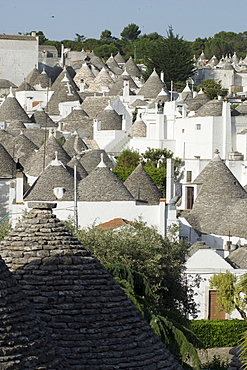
216	364
215	333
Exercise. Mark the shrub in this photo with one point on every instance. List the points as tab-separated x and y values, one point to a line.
215	333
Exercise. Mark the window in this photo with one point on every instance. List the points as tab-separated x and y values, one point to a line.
182	130
198	126
189	176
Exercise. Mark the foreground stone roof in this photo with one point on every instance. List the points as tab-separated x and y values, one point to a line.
89	316
24	340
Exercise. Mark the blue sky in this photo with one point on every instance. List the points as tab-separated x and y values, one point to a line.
60	19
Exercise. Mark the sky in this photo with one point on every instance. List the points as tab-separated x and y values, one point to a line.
62	19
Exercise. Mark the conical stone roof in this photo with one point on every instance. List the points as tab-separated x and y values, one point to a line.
110	119
102	185
12	111
81	172
32	76
217	200
211	108
74	145
24	340
142	187
117	87
46	153
43	81
54	176
64	73
132	68
152	86
92	158
42	118
138	129
78	120
85	74
7	164
64	92
113	65
22	148
25	86
89	316
93	105
101	82
119	58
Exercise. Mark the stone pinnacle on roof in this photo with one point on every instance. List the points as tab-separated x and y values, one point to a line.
142	187
91	158
89	316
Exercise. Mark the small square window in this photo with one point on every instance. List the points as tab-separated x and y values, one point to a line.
182	130
198	126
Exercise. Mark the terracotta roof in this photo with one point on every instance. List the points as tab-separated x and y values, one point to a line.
142	187
89	316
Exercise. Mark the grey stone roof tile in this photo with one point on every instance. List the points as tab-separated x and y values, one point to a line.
110	119
91	158
74	145
152	86
219	202
12	111
80	302
46	153
42	118
7	164
142	187
138	129
24	341
132	68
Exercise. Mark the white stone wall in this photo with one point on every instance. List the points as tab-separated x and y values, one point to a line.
18	56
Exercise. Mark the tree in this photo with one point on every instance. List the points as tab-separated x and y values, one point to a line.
130	32
127	161
144	250
41	36
232	292
177	336
79	38
106	36
212	89
173	56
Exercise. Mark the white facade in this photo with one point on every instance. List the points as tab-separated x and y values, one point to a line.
18	57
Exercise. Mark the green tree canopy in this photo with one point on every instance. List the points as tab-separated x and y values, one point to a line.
144	250
212	89
232	292
130	32
173	56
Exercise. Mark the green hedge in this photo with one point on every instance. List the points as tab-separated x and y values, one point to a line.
219	333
